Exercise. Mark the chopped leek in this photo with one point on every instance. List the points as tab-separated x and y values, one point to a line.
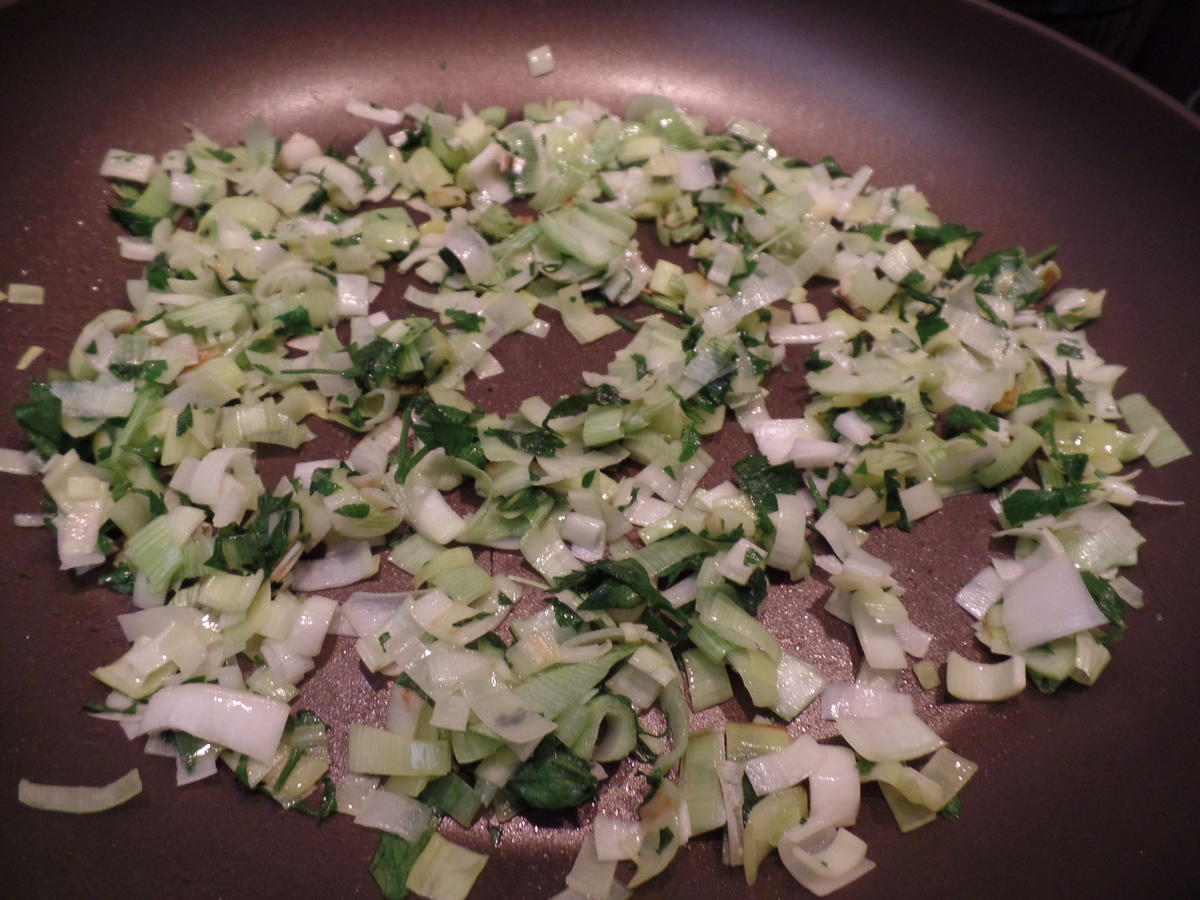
255	311
78	799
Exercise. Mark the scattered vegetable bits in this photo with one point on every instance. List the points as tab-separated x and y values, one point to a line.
943	372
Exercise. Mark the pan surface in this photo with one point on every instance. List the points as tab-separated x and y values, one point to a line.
1004	127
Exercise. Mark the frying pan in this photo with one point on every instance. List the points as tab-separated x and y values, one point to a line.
1004	126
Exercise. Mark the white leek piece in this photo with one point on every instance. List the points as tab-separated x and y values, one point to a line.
394	813
827	863
891	737
445	871
1048	602
80	798
239	720
968	680
787	767
540	60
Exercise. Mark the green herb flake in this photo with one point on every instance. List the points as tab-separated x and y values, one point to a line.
157	273
625	323
294	323
539	442
1029	503
963	418
833	167
930	325
41	419
452	429
1034	396
641	367
95	706
394	859
316	201
328	805
322	482
183	422
953	808
612	584
1071	384
555	778
875	232
465	321
149	370
814	362
259	544
293	759
893	484
190	748
1067	349
121	579
751	595
406	681
761	481
945	234
574	404
691	443
1109	603
564	616
136	224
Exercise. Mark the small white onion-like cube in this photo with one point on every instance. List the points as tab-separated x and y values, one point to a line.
374	112
127	166
297	149
353	295
185	190
541	60
901	259
616	839
136	249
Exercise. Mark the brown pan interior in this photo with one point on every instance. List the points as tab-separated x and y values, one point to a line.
1003	126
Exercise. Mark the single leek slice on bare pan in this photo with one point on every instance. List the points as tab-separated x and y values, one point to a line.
968	680
79	798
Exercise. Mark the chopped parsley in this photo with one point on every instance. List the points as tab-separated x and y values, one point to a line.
465	321
555	778
148	370
691	443
539	442
761	481
574	404
322	482
1030	503
41	419
1109	602
945	234
612	584
451	429
183	422
930	325
294	323
121	579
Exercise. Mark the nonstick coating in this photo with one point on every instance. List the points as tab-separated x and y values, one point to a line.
1004	126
